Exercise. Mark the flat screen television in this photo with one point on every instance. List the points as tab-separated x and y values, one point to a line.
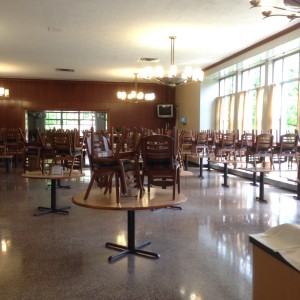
165	110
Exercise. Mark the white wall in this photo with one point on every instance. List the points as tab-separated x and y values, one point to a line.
187	103
198	108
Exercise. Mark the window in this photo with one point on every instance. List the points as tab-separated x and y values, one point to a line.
252	79
75	119
227	88
286	99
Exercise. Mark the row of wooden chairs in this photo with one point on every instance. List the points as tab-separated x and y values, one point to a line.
11	143
253	147
59	147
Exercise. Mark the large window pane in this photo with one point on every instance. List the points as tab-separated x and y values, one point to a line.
227	86
250	111
289	114
277	72
225	113
70	120
291	67
253	78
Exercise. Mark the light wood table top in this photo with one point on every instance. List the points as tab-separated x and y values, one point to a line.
157	198
227	161
46	175
260	170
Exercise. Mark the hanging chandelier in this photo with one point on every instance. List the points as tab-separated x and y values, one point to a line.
4	92
189	75
289	8
135	96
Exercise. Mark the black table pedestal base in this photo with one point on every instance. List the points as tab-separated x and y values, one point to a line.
47	210
254	178
298	192
224	184
52	209
261	189
125	250
258	199
131	248
201	168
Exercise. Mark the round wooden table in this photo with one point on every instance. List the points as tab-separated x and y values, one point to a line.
156	199
54	178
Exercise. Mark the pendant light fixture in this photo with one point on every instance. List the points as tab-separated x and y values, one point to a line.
172	79
135	96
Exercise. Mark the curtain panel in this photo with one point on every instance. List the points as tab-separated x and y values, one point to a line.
218	113
259	107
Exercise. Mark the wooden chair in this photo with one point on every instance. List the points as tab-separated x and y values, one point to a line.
64	151
32	158
187	142
287	149
159	162
31	154
129	164
246	141
226	146
45	141
123	165
262	148
102	169
202	143
14	144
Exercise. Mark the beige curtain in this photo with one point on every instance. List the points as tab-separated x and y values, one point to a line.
218	113
231	112
259	107
241	111
271	100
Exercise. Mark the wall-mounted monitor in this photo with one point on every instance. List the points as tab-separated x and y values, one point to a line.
165	110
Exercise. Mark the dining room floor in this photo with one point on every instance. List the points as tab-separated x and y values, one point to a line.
204	248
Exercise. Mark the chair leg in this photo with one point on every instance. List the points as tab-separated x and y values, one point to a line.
272	162
149	180
90	186
122	179
139	183
254	161
117	188
174	188
109	184
72	166
178	180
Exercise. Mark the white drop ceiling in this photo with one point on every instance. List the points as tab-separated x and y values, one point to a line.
104	40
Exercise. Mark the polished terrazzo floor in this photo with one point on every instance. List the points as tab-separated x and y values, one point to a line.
204	248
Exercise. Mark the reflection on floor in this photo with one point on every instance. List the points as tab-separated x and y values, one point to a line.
204	248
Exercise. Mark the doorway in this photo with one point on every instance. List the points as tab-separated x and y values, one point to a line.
67	120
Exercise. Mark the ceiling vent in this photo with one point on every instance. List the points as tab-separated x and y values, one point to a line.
148	60
64	70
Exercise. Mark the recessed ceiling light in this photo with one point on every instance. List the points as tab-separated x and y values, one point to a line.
64	70
148	60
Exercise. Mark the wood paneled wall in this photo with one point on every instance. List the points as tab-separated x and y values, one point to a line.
34	94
